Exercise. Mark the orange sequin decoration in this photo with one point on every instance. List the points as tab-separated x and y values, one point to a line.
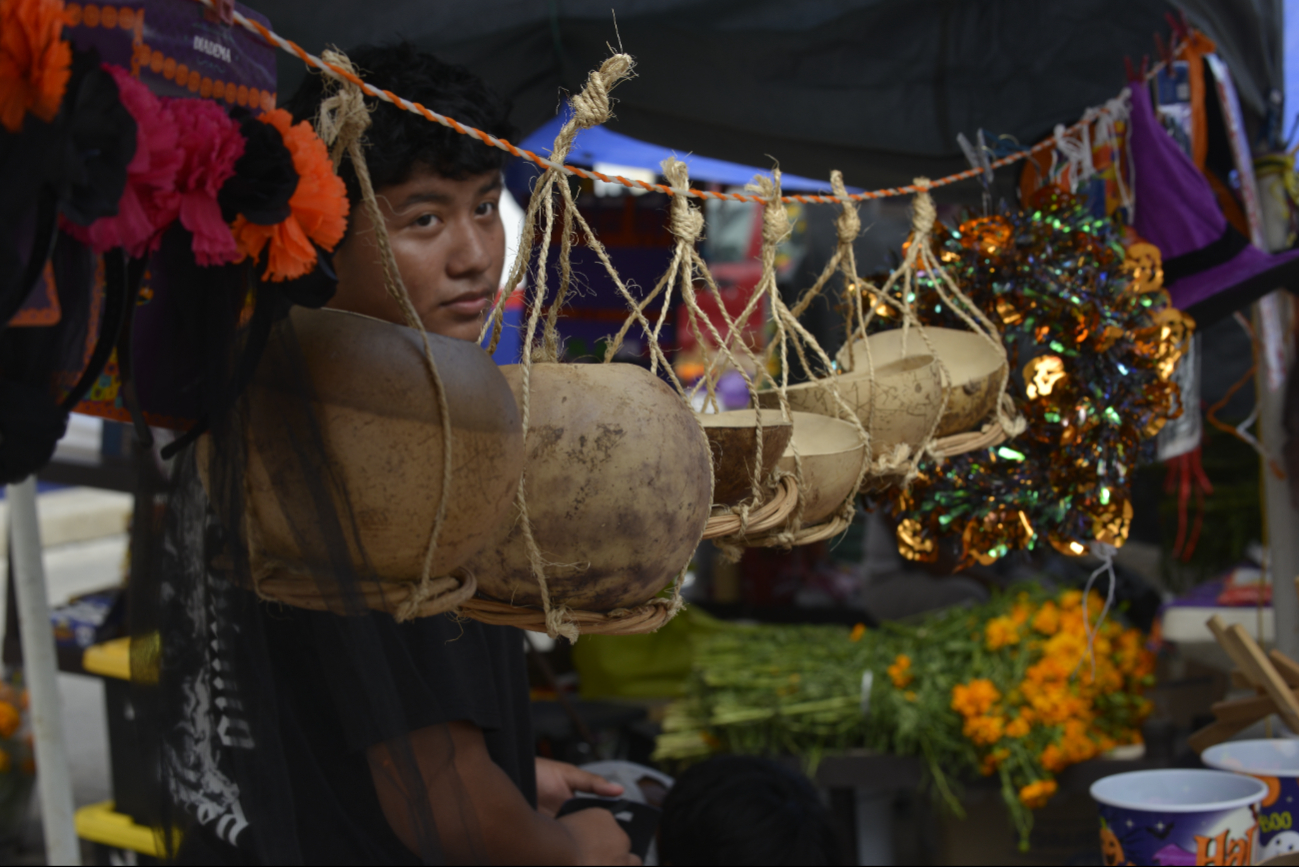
35	61
989	235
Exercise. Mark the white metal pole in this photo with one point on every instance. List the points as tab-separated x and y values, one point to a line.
40	674
1272	324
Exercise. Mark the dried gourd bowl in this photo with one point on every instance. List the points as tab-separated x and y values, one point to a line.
733	439
618	486
355	392
898	403
974	365
831	452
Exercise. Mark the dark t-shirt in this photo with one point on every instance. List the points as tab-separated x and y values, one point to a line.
442	670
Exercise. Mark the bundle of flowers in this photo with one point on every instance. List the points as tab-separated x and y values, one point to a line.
1020	687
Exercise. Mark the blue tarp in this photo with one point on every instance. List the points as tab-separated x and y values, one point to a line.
600	145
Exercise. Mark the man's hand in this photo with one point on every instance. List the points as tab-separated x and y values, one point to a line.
598	836
557	782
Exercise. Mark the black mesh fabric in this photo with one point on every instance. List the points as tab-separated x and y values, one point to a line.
39	363
282	735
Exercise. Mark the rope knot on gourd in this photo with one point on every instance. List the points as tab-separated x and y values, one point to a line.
848	225
686	223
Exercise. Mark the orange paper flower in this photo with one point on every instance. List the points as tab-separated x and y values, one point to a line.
319	206
35	61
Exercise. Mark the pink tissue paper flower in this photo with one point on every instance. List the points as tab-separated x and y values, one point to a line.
150	201
210	143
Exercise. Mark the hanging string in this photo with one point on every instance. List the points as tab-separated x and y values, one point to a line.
1105	553
1241	431
556	162
341	123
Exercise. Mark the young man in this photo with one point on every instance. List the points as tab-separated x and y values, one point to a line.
454	778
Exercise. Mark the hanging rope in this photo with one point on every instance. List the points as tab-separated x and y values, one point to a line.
556	161
341	124
591	108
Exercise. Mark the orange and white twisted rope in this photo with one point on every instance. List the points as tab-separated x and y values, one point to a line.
274	39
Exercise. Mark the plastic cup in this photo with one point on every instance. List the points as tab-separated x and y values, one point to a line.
1176	817
1276	763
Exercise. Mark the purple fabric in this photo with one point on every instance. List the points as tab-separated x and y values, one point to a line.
1177	211
1248	263
1176	208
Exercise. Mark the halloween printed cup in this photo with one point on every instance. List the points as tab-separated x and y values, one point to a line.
1179	817
1276	763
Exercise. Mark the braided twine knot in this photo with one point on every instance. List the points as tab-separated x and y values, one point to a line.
685	222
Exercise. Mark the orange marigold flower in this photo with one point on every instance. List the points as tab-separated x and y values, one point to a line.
319	206
900	671
984	730
1018	727
974	698
1000	632
1036	794
989	764
1053	759
35	61
857	632
1020	612
1047	619
10	719
1071	599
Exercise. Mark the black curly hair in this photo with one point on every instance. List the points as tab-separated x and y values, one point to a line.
745	810
398	142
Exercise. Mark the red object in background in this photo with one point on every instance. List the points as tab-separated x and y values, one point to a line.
769	577
1244	585
1186	476
735	295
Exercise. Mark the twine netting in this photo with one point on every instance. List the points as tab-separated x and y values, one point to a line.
591	108
774	511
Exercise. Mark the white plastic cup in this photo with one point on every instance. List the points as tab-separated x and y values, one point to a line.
1179	817
1276	763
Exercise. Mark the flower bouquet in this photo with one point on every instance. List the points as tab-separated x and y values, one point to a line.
1020	687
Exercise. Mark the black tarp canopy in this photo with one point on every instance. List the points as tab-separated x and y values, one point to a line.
876	88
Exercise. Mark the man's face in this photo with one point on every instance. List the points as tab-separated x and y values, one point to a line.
449	245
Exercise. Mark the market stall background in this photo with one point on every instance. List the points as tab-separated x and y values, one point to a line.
878	89
943	91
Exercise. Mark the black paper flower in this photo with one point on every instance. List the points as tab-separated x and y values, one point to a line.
96	143
264	178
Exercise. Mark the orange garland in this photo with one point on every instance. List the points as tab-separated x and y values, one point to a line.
35	61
